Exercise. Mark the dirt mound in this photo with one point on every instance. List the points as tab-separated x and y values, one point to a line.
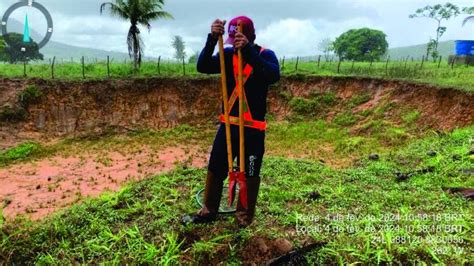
262	249
72	108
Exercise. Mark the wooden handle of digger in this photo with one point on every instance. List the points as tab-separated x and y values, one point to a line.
225	99
241	107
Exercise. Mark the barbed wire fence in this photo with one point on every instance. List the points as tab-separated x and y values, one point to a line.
107	67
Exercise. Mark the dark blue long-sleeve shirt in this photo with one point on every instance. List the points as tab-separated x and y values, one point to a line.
266	71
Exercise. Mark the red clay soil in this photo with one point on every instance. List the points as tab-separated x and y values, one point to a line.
41	187
259	250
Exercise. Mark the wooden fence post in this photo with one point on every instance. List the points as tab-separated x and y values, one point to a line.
52	67
297	61
158	66
319	60
83	68
184	67
283	63
440	59
339	65
422	62
108	66
386	65
24	68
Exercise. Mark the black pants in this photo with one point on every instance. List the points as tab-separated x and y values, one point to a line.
254	151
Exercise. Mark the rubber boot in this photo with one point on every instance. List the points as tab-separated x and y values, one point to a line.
245	216
212	199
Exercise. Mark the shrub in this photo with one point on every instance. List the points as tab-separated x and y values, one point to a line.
411	117
13	115
314	105
360	99
30	95
303	106
20	152
345	119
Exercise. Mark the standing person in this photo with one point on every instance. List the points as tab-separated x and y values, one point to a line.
261	69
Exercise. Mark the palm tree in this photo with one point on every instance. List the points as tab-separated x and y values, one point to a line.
138	12
467	19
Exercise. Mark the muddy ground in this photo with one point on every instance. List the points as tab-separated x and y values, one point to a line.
39	188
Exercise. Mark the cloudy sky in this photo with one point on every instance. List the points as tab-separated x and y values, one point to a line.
290	28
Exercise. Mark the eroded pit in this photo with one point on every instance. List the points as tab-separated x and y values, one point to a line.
47	112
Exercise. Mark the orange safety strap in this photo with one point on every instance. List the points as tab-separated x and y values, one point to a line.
248	119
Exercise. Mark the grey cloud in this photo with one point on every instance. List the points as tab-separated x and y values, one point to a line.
78	22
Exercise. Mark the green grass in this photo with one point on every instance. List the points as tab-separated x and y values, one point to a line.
460	76
392	221
19	153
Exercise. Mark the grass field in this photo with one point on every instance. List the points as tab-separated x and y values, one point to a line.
365	214
459	76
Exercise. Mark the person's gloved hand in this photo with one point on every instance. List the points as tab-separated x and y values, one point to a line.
240	40
218	28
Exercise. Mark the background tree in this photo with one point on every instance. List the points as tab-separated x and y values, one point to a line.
468	10
326	46
13	51
179	47
3	56
194	58
439	13
361	45
138	12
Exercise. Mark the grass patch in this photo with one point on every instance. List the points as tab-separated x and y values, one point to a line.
459	76
411	117
31	94
345	119
314	105
360	99
20	153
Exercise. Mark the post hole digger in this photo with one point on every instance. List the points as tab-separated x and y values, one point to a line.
246	71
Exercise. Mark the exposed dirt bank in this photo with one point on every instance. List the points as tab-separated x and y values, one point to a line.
72	108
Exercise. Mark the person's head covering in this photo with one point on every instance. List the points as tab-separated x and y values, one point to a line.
248	29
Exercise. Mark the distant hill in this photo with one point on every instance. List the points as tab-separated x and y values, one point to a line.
65	51
445	49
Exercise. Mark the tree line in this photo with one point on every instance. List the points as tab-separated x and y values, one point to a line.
371	45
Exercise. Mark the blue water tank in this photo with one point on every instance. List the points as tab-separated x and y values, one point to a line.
464	47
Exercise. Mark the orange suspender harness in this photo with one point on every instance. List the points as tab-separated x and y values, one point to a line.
248	120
